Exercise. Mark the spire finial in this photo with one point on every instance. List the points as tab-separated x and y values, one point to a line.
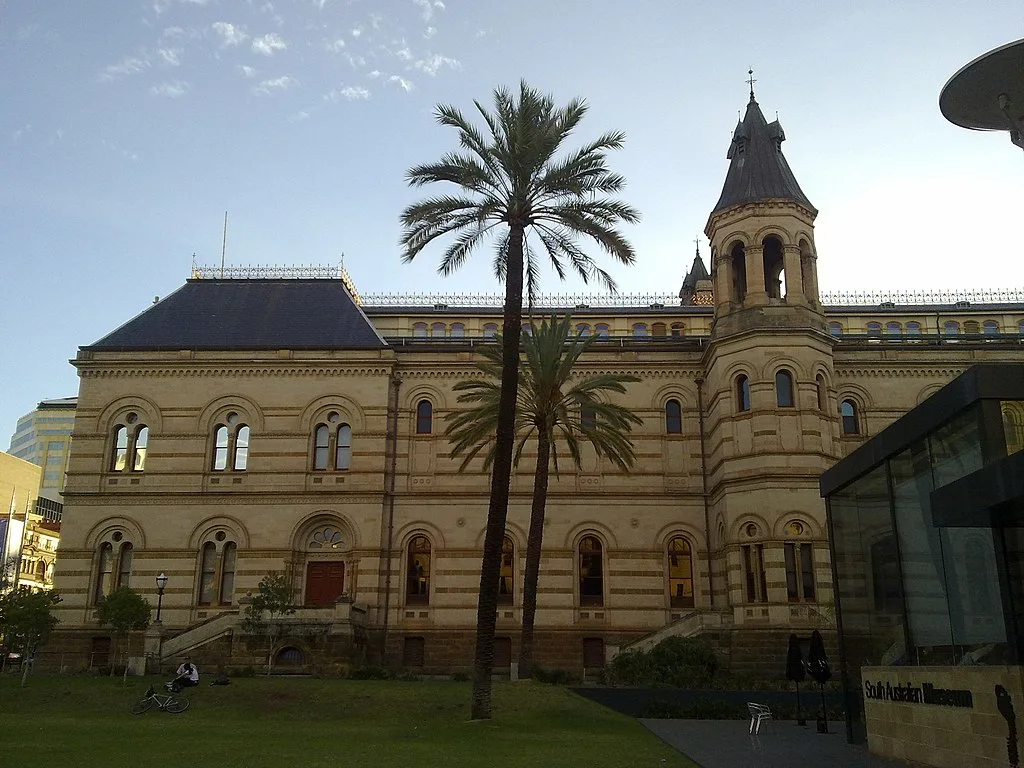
696	242
750	81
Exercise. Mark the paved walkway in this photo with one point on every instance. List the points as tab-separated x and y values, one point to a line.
726	744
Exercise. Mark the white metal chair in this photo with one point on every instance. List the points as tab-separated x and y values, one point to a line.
758	712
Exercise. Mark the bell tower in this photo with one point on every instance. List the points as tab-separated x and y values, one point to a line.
771	418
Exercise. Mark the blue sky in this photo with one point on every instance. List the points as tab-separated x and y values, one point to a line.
128	128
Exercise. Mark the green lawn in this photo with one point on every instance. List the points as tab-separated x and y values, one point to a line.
298	722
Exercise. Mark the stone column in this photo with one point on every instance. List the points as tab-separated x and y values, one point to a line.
756	293
151	649
794	282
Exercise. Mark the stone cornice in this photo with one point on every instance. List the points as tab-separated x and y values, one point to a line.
892	371
293	369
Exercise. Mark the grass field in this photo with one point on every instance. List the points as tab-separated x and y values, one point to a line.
303	722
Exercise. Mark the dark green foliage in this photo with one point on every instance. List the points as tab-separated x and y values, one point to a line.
676	662
554	676
124	610
371	673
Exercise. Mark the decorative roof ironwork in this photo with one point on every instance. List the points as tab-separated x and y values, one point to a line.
912	298
274	272
579	300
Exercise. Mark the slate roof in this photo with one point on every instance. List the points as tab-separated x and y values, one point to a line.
249	314
758	170
697	273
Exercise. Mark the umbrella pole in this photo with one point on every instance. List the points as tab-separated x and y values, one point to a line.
799	713
824	712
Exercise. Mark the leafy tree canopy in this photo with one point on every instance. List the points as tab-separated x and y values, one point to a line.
26	617
124	610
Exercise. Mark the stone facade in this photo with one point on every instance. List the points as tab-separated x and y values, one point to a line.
718	528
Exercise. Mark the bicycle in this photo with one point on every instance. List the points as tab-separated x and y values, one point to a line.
168	702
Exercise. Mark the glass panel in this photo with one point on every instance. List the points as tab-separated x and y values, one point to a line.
807	570
419	330
141	442
220	448
424	417
321	446
743	393
418	572
583	329
437	331
227	578
819	384
105	571
601	330
673	417
848	410
124	566
241	448
951	328
792	583
991	327
588	418
784	389
343	457
208	574
591	572
913	329
1013	424
120	457
490	330
639	330
458	330
680	573
835	329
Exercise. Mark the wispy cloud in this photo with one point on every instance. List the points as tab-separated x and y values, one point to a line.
229	33
276	85
356	31
170	56
427	7
247	72
348	93
429	32
335	45
268	45
180	33
16	136
172	90
298	117
354	61
432	64
401	82
404	54
159	6
130	65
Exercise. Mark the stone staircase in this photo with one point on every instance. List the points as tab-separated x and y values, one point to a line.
200	634
689	624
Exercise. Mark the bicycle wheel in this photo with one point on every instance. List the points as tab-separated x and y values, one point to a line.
142	705
176	704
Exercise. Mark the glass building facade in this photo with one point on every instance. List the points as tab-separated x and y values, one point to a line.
927	534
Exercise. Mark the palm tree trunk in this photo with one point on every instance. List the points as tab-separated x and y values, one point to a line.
501	474
533	548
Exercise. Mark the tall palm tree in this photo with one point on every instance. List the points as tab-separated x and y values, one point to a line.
553	406
511	185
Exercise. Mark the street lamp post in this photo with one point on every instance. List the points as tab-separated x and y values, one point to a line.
161	583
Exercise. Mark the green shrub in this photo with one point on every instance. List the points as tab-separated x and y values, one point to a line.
676	662
554	676
461	677
371	673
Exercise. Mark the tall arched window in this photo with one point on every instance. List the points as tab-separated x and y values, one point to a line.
784	389
458	330
506	576
104	572
680	573
490	330
333	438
129	445
591	573
673	417
588	418
217	570
124	565
437	331
208	574
424	417
602	331
851	424
822	392
417	590
742	393
419	330
113	565
231	444
227	572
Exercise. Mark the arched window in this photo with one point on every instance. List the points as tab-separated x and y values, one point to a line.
113	565
458	331
742	393
124	565
913	328
678	329
230	444
658	330
527	328
1020	327
640	330
129	445
874	330
490	330
738	265
602	331
951	328
217	570
437	331
680	573
333	438
848	410
582	329
822	392
971	327
424	417
784	389
673	417
104	572
836	329
419	330
506	576
591	565
417	590
990	328
893	329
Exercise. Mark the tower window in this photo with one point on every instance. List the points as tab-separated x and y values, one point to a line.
784	389
583	329
131	440
821	391
851	422
742	393
673	417
424	417
591	572
658	330
913	328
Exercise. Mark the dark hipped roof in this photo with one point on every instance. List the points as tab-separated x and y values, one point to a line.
697	273
758	170
249	314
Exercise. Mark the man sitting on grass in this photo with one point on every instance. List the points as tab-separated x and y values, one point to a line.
187	676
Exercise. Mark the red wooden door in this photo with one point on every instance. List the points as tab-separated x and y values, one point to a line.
325	583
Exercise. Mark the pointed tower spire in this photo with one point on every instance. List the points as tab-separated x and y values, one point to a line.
697	288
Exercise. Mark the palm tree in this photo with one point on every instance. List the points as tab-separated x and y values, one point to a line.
554	406
512	184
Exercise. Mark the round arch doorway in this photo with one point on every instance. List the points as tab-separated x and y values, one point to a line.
325	565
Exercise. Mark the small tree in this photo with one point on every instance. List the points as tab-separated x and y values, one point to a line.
26	621
124	610
796	672
272	600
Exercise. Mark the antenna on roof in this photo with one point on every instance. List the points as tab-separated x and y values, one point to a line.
224	245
